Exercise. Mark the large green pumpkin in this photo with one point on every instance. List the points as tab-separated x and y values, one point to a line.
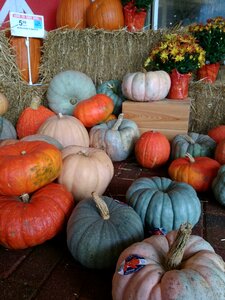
98	231
163	203
218	186
7	130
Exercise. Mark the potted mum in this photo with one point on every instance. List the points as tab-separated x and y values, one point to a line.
178	54
211	37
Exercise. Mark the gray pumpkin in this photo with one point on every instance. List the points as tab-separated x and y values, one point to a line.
7	130
218	186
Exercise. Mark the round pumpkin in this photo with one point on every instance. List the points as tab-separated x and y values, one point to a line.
217	133
163	203
27	166
85	170
44	138
218	186
67	89
27	221
7	130
146	86
4	104
175	266
99	228
116	137
220	152
152	149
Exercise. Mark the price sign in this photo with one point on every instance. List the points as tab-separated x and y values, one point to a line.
26	25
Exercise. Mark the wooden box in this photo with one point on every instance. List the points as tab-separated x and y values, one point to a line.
170	117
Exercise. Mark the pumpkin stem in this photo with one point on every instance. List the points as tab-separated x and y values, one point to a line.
101	205
118	122
189	139
191	158
23	152
25	198
176	251
35	102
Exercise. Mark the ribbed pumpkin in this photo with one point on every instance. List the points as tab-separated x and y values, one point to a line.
67	88
146	86
85	170
4	104
218	186
44	138
29	221
217	133
32	117
19	48
72	13
99	228
27	166
176	266
68	130
105	14
163	203
7	130
116	137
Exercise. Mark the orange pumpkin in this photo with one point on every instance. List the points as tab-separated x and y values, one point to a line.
105	14
220	152
72	13
217	133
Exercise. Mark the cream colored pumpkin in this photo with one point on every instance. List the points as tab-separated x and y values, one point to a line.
146	86
4	104
85	170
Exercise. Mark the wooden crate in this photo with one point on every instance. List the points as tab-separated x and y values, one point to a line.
170	117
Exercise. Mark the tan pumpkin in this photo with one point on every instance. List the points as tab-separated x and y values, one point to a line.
85	170
4	104
146	86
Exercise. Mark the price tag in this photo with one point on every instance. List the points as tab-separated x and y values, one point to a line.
26	25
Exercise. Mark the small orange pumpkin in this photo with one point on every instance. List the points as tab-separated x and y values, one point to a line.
217	133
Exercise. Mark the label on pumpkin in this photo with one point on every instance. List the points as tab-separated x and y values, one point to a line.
131	264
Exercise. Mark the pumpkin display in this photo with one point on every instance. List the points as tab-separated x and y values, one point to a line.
218	185
7	130
196	144
220	152
146	86
68	130
112	88
32	118
67	89
176	266
104	14
84	170
27	221
217	133
72	13
94	110
99	228
199	171
163	203
27	166
4	104
116	137
152	149
19	46
44	138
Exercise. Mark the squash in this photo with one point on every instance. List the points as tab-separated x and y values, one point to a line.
116	137
220	152
4	104
67	89
7	130
85	170
146	86
163	203
44	138
104	14
218	185
27	166
72	13
99	228
68	130
34	219
32	117
217	133
152	149
196	144
175	266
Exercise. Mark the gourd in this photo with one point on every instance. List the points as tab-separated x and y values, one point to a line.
34	219
196	144
152	149
4	104
32	117
146	86
218	185
199	172
116	137
176	266
217	133
104	14
27	166
84	170
67	88
7	130
72	13
163	203
68	130
99	228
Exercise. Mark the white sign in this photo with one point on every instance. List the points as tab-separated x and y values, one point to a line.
26	25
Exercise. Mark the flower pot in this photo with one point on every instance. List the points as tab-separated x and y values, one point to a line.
134	19
179	85
208	73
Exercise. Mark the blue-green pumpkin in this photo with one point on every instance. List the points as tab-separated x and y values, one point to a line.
7	130
218	186
163	203
99	228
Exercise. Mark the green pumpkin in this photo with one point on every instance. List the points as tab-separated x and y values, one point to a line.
98	231
195	144
218	186
163	203
112	88
7	130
